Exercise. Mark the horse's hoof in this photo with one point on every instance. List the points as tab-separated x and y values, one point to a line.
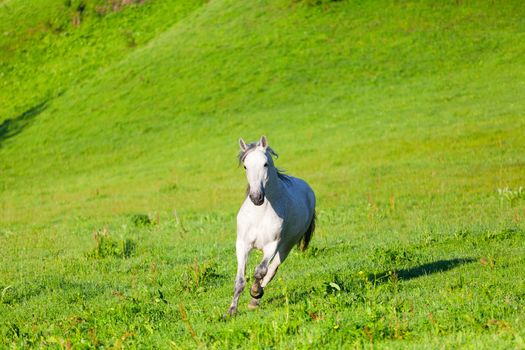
256	291
253	304
231	311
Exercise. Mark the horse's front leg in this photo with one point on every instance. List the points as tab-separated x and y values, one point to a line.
282	253
240	281
256	291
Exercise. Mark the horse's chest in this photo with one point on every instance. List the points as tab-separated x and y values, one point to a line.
261	229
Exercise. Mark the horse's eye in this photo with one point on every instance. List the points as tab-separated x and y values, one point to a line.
266	165
244	166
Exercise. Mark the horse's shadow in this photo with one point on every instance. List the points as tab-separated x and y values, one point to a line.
14	126
380	278
419	271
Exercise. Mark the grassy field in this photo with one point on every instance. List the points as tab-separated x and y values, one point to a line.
119	184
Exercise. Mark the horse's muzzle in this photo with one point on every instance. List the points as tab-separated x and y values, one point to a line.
257	198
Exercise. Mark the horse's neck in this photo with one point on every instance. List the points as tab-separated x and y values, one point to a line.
274	189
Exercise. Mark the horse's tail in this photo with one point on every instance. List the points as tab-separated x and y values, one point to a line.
305	240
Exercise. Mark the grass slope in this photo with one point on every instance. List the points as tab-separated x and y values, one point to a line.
48	46
405	118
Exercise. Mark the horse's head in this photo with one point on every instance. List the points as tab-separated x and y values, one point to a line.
258	162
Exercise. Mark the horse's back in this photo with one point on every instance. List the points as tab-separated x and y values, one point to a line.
302	192
301	207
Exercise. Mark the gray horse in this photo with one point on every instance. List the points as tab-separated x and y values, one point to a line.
278	213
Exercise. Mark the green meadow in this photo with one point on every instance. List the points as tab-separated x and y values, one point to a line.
119	183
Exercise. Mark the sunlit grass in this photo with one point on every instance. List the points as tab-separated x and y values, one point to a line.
118	195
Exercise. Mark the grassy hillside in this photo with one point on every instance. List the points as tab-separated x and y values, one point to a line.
406	118
48	46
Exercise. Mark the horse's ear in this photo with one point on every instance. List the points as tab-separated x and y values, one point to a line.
242	144
263	142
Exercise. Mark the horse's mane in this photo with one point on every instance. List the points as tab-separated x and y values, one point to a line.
250	147
269	152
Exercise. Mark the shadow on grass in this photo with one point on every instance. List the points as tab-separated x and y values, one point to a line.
14	126
278	298
421	270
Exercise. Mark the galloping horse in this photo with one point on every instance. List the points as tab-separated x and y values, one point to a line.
278	213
